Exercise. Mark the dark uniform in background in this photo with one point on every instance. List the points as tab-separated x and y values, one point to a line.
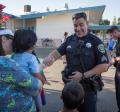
117	77
82	55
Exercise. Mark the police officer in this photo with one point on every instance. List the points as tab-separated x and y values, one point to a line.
86	57
116	61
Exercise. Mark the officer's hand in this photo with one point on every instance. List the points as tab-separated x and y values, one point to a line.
113	60
76	76
117	59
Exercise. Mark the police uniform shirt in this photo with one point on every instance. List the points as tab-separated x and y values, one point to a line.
118	48
117	64
88	49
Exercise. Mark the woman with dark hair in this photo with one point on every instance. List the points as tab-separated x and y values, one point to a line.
14	80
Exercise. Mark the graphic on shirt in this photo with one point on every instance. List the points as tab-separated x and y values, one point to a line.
88	45
68	46
101	48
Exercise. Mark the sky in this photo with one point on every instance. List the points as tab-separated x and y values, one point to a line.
16	7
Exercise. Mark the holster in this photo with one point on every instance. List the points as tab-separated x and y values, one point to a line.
96	83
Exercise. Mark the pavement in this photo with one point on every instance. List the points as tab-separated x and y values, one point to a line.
106	98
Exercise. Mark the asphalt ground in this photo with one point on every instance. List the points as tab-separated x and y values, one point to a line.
106	98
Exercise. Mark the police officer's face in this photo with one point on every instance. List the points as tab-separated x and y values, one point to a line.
116	34
80	27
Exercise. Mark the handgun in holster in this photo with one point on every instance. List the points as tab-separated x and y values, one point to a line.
97	83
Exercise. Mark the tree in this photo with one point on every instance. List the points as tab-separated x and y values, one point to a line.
118	21
3	18
114	22
104	22
1	13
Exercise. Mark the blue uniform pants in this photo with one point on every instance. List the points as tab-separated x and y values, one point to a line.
89	104
117	87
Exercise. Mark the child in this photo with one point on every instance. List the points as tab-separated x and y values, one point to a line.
23	45
72	96
46	82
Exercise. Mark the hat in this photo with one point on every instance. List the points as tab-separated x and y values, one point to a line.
112	28
6	32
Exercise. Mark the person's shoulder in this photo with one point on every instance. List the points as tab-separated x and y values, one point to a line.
29	55
8	63
32	58
94	38
71	37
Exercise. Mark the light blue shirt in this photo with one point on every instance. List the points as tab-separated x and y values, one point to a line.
28	62
111	44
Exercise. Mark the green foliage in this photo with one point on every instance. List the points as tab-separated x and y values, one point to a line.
104	22
114	22
118	21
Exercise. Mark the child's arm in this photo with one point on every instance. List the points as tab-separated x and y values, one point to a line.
40	77
42	73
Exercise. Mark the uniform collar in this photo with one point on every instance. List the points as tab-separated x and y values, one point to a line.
82	38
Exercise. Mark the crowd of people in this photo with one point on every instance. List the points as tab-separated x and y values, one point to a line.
22	77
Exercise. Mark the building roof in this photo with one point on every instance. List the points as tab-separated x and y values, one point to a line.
101	27
40	15
12	16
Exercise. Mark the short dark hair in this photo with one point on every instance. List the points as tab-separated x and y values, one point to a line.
79	15
113	28
109	31
23	40
72	95
65	33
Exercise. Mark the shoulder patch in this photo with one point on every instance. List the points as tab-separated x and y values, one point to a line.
103	59
101	48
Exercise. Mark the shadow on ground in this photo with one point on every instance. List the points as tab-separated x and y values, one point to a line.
54	103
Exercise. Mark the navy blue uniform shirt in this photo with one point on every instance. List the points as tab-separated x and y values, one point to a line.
89	49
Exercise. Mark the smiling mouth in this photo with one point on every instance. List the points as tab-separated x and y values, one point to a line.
79	33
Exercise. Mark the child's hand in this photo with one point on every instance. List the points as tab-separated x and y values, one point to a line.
117	59
44	81
48	83
43	66
40	77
